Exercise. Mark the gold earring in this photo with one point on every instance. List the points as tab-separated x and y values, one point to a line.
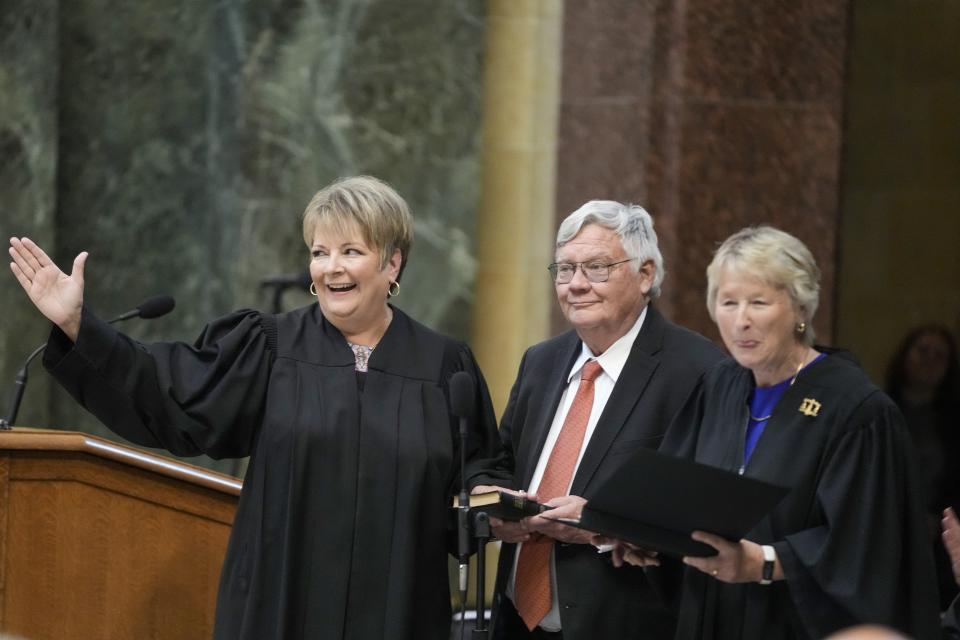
394	289
801	327
313	288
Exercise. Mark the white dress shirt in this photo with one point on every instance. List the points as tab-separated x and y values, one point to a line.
612	362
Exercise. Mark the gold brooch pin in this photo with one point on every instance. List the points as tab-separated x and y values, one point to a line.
810	407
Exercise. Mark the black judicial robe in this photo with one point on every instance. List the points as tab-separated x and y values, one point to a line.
850	535
341	529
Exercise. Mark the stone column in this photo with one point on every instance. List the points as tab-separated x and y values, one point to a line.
516	221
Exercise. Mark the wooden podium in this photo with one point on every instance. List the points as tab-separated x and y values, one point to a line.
99	540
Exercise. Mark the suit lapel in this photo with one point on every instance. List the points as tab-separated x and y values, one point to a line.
630	387
557	375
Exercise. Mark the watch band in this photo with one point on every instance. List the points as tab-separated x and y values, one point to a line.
769	563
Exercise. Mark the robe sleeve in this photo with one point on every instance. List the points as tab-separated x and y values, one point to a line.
870	560
497	468
680	440
188	399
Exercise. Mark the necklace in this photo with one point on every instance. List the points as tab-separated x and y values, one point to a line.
792	380
362	352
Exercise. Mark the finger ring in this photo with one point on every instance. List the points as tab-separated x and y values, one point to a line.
714	573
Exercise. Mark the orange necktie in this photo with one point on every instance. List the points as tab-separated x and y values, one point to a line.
532	587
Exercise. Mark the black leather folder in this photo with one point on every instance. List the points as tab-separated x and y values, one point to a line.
656	501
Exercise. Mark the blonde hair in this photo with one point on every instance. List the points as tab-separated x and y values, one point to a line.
777	258
366	204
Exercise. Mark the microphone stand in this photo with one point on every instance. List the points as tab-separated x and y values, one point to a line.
19	384
154	307
481	533
278	285
472	524
276	297
463	519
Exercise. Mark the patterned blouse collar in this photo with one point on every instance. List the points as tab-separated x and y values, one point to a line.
361	356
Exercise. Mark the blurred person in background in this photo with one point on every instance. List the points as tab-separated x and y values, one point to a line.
922	379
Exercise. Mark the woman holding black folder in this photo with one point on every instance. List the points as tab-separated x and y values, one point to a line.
341	530
847	544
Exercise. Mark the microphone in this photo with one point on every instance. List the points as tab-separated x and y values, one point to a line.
461	405
151	308
148	309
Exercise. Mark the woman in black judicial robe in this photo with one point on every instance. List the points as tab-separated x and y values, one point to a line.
341	529
847	545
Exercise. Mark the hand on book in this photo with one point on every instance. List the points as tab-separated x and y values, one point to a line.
549	523
505	530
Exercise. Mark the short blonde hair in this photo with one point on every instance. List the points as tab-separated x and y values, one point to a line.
777	258
366	204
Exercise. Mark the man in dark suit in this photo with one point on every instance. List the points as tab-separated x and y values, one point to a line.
570	422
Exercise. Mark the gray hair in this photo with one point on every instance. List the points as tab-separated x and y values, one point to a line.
632	224
777	258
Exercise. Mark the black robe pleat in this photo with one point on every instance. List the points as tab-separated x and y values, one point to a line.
341	529
850	535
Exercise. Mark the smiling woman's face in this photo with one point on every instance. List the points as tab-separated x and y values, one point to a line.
351	286
758	325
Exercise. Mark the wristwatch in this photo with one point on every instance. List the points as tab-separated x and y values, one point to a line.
769	562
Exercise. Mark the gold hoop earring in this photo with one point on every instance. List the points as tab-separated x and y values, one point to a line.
394	289
801	327
313	288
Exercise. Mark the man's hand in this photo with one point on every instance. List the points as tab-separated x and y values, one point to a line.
627	553
562	507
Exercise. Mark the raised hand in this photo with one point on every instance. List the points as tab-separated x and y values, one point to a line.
57	295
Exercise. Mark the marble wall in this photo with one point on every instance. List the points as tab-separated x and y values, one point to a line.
29	48
179	141
714	115
900	266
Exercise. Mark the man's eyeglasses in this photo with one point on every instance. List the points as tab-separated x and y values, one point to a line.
594	271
